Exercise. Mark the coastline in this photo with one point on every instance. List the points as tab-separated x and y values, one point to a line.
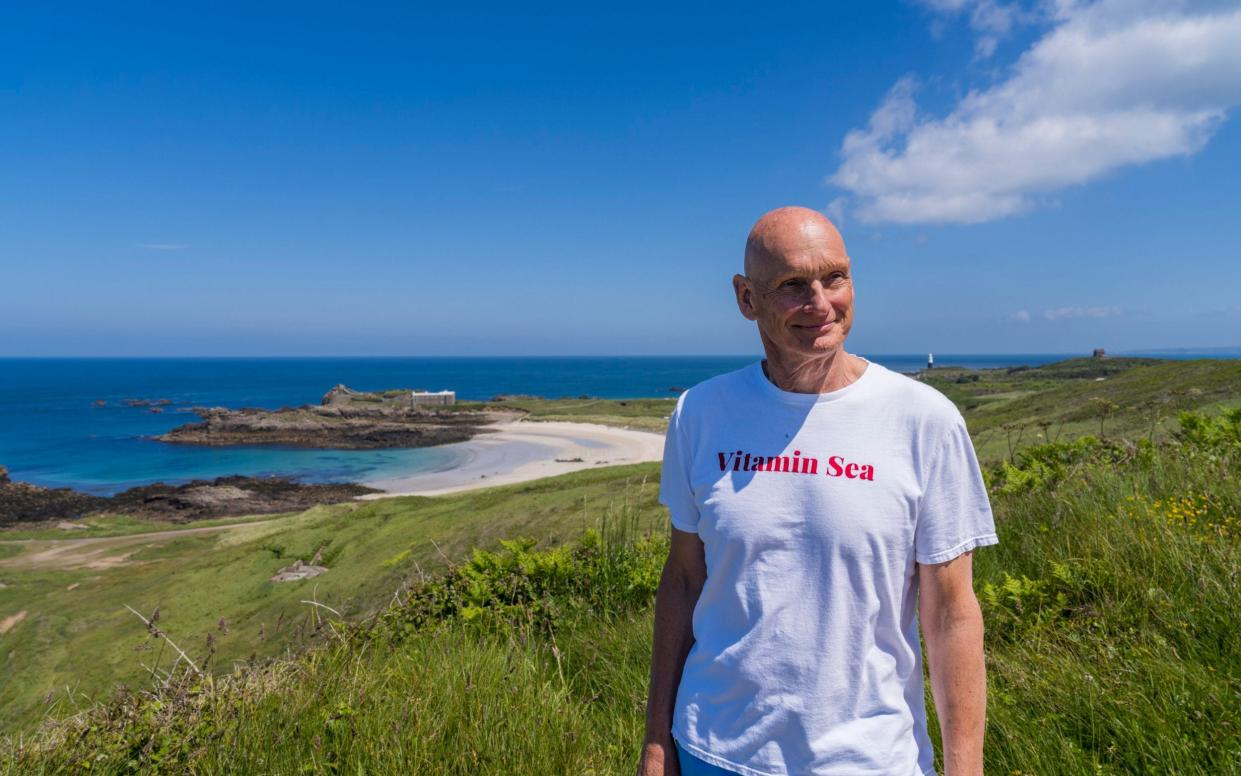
503	453
91	433
522	450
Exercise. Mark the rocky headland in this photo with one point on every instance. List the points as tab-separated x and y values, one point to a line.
22	502
345	419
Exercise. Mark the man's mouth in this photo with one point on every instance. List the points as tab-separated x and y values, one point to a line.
814	326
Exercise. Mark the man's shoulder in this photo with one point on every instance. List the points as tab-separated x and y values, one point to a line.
918	405
914	393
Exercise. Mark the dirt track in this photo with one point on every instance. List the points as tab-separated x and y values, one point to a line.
9	622
100	552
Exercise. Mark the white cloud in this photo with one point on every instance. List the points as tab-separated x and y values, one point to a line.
1113	83
835	210
1022	316
1061	313
990	19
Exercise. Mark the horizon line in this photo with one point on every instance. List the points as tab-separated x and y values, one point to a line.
1217	349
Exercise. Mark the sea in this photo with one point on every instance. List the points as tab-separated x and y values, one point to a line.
64	422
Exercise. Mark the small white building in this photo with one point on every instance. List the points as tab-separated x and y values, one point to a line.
432	398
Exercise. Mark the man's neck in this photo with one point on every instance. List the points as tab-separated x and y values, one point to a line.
817	375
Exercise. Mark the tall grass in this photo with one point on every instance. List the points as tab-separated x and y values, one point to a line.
1112	607
1112	646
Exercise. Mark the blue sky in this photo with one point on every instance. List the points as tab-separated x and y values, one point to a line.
1047	176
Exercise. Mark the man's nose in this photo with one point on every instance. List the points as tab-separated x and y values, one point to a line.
819	297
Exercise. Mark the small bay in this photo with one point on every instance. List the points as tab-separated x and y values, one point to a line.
64	422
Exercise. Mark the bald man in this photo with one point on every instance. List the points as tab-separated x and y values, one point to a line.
822	507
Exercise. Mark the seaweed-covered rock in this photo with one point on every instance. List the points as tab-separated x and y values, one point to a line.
22	502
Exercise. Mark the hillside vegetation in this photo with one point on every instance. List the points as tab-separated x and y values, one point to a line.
1008	409
1111	641
77	639
640	414
1110	601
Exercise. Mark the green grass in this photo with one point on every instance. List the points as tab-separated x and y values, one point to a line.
1110	605
640	414
1007	410
76	644
103	525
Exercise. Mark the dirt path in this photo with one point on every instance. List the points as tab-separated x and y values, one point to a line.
100	552
8	622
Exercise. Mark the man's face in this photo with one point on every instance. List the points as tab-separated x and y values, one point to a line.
802	298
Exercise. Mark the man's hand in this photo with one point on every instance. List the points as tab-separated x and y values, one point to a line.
951	624
659	759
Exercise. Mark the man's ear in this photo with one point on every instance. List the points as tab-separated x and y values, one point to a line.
745	296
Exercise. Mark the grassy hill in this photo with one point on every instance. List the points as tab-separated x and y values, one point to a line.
640	414
1112	645
1110	605
1007	409
77	638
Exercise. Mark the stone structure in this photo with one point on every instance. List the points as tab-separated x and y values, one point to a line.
298	570
432	398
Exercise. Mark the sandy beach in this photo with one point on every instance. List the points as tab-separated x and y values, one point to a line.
528	450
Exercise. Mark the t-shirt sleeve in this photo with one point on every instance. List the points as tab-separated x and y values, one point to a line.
954	514
675	491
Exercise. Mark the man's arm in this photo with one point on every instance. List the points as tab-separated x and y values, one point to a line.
679	588
951	624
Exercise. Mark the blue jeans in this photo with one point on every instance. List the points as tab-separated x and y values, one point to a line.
693	766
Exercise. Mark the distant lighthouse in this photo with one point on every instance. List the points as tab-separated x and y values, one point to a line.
930	360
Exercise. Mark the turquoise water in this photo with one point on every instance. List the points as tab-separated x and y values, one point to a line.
51	433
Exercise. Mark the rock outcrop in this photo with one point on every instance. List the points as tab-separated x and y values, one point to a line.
346	419
22	502
230	496
298	570
339	396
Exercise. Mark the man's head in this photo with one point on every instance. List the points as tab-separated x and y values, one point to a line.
797	284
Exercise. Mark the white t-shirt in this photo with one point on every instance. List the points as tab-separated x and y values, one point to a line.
812	509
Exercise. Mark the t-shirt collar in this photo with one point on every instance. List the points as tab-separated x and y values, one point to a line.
768	388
